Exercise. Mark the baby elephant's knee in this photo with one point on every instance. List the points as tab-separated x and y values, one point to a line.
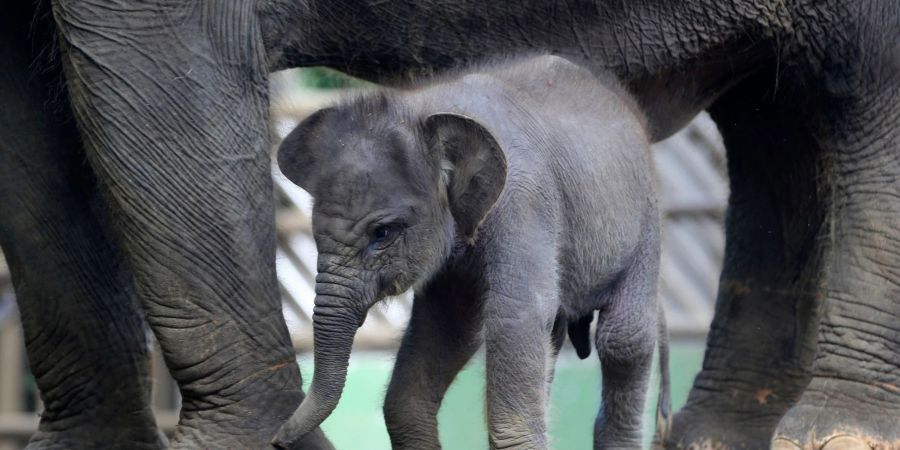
409	418
626	347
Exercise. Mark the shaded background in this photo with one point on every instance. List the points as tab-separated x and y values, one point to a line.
693	193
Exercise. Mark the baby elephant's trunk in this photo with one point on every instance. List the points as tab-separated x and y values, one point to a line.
335	321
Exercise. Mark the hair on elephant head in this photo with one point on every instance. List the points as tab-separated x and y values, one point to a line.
392	194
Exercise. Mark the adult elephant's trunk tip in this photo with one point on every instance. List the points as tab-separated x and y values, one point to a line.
333	332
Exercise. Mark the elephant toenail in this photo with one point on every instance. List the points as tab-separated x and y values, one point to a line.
784	444
845	443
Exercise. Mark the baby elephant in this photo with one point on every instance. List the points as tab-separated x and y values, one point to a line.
516	200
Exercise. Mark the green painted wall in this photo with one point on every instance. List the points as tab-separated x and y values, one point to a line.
357	424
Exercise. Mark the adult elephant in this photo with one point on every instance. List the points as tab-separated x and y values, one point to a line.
166	102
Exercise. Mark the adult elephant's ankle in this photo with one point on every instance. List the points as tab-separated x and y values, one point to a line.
411	422
246	422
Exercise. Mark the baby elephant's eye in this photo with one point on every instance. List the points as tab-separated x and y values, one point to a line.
384	234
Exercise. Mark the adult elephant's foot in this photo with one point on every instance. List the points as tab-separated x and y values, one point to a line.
248	423
142	438
93	428
836	414
727	419
706	431
90	411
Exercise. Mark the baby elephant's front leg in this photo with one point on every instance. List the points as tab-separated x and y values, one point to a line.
443	334
517	335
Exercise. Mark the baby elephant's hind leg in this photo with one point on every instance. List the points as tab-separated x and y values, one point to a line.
626	338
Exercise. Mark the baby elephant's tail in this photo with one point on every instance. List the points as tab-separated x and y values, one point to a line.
664	405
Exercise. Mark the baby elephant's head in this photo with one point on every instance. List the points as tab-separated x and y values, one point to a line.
392	192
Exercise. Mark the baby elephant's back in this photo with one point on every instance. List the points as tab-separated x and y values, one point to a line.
597	149
547	111
573	141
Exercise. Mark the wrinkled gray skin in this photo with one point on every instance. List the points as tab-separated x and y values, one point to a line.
134	171
515	200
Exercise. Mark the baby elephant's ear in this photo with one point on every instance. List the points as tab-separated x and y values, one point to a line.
298	154
476	163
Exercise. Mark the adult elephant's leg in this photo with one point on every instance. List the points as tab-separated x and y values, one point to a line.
84	331
853	399
172	104
761	342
